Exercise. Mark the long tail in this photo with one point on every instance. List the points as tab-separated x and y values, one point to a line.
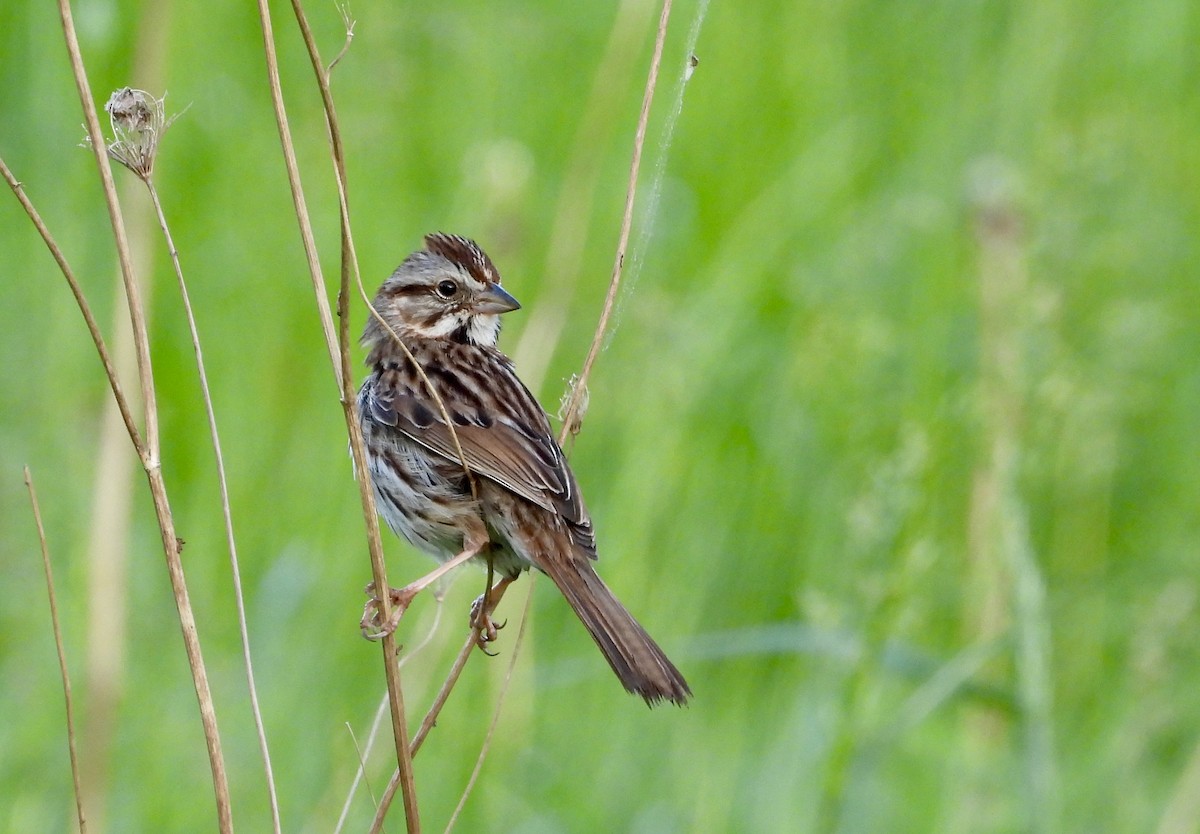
640	664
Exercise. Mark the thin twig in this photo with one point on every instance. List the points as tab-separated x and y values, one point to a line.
344	369
62	656
571	414
348	22
349	268
435	709
110	370
293	171
149	452
487	739
362	763
226	511
428	723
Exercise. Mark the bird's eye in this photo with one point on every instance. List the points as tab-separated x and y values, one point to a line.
447	289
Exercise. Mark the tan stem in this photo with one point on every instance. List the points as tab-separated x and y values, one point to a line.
149	453
226	510
578	391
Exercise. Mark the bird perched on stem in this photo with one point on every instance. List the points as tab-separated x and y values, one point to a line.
496	489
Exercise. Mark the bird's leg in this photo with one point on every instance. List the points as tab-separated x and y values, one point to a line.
481	613
401	598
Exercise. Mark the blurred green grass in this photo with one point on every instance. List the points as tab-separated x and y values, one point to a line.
786	439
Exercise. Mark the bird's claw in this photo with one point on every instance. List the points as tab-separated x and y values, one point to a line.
485	628
372	625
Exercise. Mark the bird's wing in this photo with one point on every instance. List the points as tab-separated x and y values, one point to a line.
509	443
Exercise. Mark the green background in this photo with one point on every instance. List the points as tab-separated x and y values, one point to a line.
894	447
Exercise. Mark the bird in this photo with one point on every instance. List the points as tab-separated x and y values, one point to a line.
475	473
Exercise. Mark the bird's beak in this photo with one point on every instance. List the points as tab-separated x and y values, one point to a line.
495	300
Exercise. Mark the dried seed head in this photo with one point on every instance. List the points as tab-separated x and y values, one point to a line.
573	418
138	123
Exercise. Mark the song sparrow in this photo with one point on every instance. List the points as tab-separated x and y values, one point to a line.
444	302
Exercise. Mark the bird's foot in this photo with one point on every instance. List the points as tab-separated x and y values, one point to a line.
372	625
486	629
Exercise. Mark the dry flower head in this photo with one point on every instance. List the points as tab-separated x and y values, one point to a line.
138	122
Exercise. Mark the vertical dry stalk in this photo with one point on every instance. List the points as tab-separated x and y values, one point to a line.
340	361
577	400
577	198
349	267
62	656
115	484
148	452
138	123
226	512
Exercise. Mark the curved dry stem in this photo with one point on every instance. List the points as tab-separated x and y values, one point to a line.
572	412
350	271
227	513
110	370
349	23
350	256
62	656
149	452
576	201
487	739
435	709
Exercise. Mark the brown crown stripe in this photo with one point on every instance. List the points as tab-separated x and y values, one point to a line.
464	253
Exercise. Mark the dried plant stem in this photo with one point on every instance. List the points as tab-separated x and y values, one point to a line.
172	546
226	512
340	362
349	267
349	264
62	656
571	413
576	202
148	451
435	709
293	171
491	730
110	371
